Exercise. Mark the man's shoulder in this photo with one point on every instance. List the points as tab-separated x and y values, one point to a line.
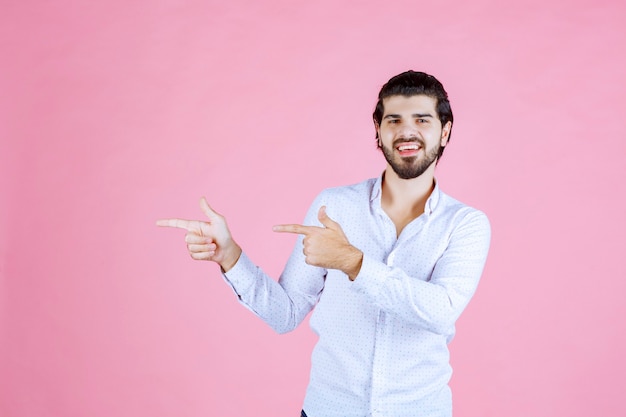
360	189
457	211
449	202
341	200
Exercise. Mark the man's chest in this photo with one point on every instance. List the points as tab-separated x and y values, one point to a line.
416	251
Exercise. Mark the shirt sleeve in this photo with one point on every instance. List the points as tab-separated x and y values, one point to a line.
437	303
283	304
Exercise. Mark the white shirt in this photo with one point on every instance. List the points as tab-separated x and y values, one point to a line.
382	348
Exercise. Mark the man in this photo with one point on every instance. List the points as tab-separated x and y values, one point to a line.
389	265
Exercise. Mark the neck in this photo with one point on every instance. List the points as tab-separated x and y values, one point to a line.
407	195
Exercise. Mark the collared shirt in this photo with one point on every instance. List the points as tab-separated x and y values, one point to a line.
382	347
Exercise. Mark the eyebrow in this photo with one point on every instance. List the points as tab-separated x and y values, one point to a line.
417	115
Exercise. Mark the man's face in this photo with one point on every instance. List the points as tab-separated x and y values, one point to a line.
410	134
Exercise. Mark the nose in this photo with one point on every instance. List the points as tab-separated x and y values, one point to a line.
408	131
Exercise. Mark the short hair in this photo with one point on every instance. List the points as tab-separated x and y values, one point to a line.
413	83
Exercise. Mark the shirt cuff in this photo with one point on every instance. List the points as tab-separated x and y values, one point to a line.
370	276
242	276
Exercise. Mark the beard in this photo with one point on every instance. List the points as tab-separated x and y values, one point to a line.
410	167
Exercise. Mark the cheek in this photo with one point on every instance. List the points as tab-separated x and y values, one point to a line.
386	133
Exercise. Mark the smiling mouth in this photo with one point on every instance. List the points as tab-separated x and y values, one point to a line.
408	147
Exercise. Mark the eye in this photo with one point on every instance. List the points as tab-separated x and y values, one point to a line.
422	121
394	121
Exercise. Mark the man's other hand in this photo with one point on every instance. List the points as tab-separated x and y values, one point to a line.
327	247
208	240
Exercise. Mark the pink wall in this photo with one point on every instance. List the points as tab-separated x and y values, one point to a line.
113	114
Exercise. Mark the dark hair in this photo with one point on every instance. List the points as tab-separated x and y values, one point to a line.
412	83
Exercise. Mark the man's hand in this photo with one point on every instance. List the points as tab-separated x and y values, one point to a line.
327	246
208	240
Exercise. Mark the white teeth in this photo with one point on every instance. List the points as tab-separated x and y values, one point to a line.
406	147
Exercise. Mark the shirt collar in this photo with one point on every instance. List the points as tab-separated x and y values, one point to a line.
433	200
431	203
376	193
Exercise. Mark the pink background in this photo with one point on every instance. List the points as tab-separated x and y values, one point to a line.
116	113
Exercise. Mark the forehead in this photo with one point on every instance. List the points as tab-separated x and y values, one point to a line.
421	104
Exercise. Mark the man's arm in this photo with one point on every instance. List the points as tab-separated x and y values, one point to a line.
281	305
435	304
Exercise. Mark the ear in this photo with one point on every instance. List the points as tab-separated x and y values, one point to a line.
377	128
445	133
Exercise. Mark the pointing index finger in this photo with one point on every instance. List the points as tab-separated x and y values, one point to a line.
178	223
293	228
